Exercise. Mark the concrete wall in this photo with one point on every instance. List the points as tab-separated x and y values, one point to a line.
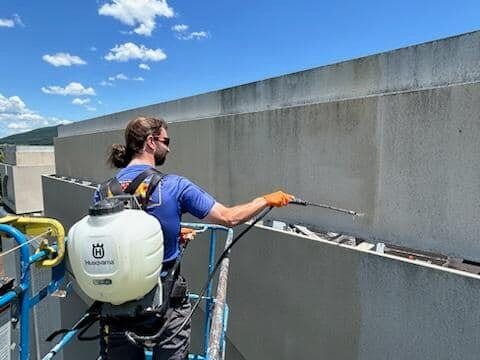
35	158
24	166
28	187
292	297
406	160
66	201
9	154
8	190
22	155
354	305
24	187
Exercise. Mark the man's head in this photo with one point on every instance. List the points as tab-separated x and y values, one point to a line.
162	142
144	136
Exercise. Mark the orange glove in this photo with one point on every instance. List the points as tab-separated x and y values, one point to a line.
187	234
278	199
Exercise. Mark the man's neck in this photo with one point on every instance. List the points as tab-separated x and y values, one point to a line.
143	159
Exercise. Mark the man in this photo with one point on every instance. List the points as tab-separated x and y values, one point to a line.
147	146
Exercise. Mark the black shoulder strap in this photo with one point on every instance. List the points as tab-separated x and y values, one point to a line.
115	187
132	187
103	190
111	184
156	178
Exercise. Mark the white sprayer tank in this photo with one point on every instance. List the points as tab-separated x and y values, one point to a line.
115	253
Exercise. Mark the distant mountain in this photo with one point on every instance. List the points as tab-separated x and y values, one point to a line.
42	136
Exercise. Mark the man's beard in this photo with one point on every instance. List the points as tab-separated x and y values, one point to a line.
159	158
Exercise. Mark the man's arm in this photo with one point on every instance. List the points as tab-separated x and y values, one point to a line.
232	216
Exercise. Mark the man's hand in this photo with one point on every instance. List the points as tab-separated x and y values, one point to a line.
278	199
186	234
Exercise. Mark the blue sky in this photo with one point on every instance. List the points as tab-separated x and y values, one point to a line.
65	61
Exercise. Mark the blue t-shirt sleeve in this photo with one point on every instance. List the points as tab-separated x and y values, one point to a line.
194	199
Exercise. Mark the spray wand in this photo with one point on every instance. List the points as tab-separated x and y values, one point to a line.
297	201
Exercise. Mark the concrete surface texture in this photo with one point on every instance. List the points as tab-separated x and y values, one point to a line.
6	184
23	187
66	201
20	176
21	155
296	298
407	161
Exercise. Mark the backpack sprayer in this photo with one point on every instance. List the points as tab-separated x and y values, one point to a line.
116	254
103	248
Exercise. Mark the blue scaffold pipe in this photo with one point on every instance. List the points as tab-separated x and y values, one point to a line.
209	301
9	296
38	256
204	226
224	332
21	239
64	341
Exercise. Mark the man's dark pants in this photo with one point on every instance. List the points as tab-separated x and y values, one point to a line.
114	345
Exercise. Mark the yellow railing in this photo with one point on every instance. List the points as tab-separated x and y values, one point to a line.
37	226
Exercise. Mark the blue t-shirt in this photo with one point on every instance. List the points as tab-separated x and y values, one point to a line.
174	196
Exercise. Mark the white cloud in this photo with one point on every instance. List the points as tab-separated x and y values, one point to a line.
11	105
78	101
111	79
83	102
63	59
16	116
93	48
181	33
180	27
131	51
139	13
118	77
72	89
19	126
11	22
106	83
7	23
144	66
198	35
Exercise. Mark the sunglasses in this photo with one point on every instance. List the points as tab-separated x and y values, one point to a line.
165	141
